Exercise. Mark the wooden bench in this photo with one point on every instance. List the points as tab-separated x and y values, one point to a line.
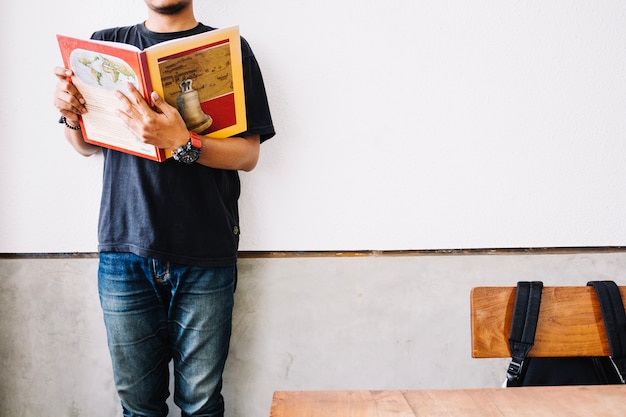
587	401
570	322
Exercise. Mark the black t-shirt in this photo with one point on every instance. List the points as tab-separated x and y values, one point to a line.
185	214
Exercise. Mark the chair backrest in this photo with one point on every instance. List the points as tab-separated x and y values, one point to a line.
570	322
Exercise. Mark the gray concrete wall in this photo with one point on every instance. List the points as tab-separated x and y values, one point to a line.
305	323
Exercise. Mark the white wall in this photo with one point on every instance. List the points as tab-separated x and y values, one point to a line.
405	124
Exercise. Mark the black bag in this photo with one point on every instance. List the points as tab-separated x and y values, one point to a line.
524	371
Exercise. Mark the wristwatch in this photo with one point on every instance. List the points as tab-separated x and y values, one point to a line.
189	152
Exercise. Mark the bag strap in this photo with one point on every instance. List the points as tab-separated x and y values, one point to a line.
614	318
523	327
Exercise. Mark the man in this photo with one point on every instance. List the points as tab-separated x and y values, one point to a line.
168	232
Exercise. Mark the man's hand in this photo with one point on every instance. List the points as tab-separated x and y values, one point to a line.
71	104
67	99
162	127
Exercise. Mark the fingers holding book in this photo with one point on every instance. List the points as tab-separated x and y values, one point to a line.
161	125
67	98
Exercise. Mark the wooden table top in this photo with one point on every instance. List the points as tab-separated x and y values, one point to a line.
564	401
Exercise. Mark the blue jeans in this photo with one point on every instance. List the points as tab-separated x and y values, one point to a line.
155	312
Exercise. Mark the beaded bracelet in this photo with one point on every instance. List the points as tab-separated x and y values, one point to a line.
69	126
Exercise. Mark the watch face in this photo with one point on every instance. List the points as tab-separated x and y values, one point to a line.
187	153
190	156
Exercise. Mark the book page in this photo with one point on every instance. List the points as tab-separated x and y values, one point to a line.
97	76
202	77
200	85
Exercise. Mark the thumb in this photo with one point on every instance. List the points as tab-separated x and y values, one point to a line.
160	105
156	99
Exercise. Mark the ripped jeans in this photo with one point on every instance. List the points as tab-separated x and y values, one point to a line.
154	312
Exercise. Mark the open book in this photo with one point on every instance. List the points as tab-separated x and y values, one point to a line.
200	75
